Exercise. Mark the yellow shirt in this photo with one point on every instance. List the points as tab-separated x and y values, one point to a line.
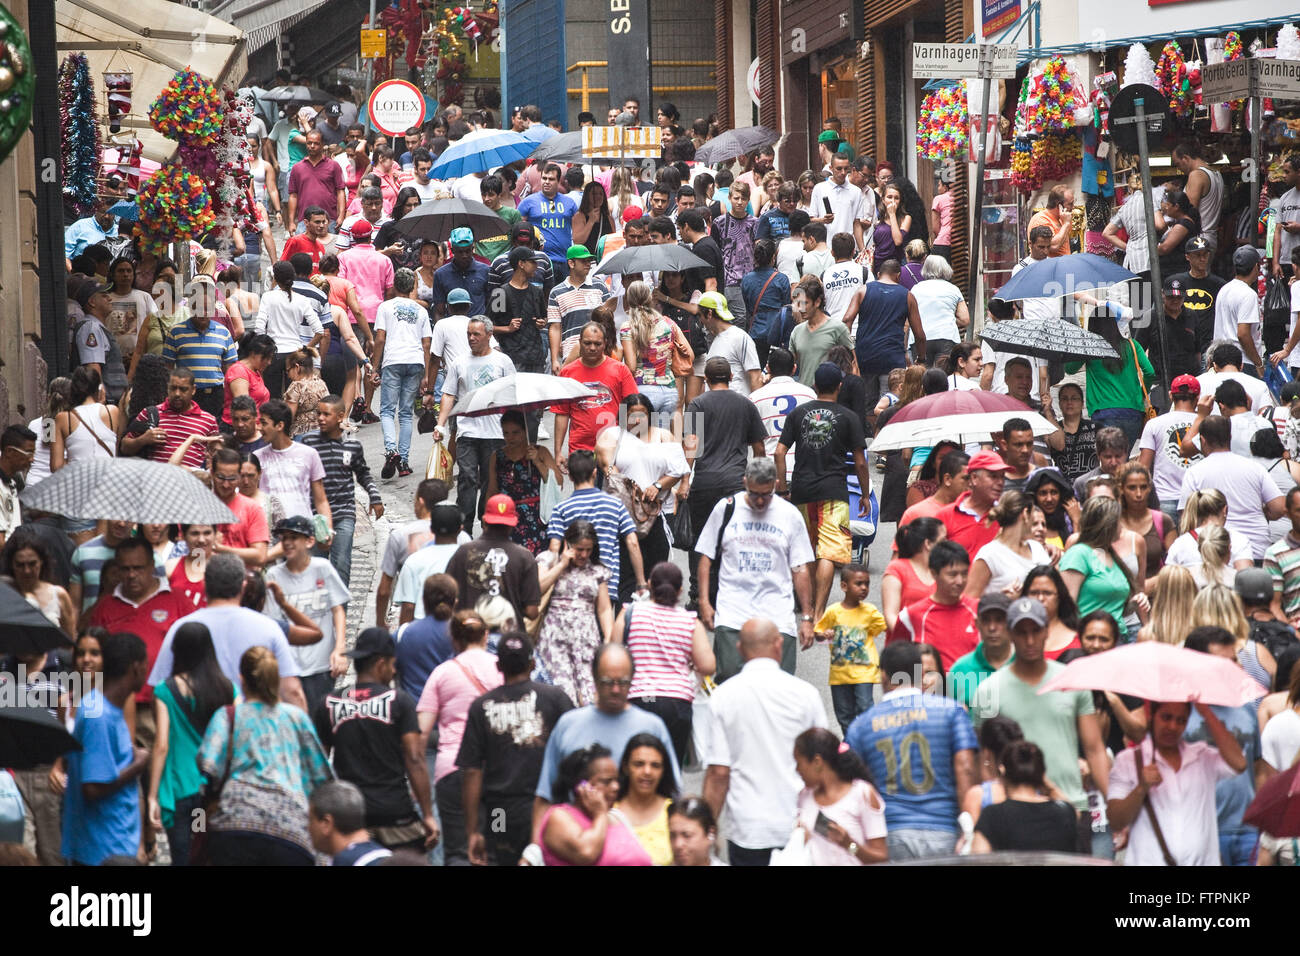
854	658
653	837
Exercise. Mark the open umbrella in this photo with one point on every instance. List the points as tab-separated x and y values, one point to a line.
433	221
1276	807
126	209
728	145
1156	671
524	391
296	94
1059	276
25	630
32	736
1046	338
653	258
127	489
965	416
480	151
539	133
564	148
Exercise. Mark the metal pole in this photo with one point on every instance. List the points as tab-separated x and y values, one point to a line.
986	74
370	70
1256	108
1157	290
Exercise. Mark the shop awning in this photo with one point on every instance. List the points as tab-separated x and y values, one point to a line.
263	20
153	41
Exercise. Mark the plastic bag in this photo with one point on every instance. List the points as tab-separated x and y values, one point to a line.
1276	377
1276	314
549	497
682	528
440	462
794	853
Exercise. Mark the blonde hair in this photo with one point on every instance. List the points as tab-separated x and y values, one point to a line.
205	262
621	186
641	316
1219	606
260	674
1201	507
1215	546
1171	603
916	250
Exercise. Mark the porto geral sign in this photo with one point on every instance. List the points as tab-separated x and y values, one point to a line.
395	106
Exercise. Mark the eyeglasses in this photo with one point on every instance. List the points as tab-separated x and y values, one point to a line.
227	479
614	681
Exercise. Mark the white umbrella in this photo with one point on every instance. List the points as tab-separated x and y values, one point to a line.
974	427
523	391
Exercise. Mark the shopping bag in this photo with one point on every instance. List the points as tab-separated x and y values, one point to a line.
682	528
440	462
1276	377
1276	314
794	853
549	497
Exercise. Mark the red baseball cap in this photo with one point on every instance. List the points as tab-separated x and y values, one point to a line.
360	229
631	212
1186	383
500	509
985	461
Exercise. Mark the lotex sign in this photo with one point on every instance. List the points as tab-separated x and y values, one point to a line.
395	106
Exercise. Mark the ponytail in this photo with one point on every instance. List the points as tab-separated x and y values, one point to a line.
846	764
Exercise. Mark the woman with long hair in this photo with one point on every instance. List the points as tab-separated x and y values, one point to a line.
1027	819
1203	508
90	427
581	827
306	389
893	492
995	734
965	362
1002	564
1177	219
1044	585
926	483
908	578
1171	606
840	812
241	302
430	262
282	315
806	181
622	194
131	307
647	344
183	706
1116	387
593	219
1074	447
1053	493
893	226
58	399
1155	527
519	468
270	760
244	377
579	617
766	291
646	787
1215	546
25	563
391	241
915	207
1123	719
1220	606
1093	570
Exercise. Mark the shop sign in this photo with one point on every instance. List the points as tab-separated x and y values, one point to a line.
998	15
627	49
1254	76
395	106
958	61
374	44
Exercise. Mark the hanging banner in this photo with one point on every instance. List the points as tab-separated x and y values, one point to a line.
628	142
627	45
998	15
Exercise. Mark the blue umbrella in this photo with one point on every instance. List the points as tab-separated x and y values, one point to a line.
538	133
1053	278
126	209
480	151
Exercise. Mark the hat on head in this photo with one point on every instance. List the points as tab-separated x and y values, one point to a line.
1026	609
828	136
1187	384
373	642
631	212
462	236
578	252
444	517
718	303
827	377
333	109
1174	286
1254	585
1197	244
1245	258
307	113
514	652
522	233
458	297
295	524
519	255
987	461
500	509
360	229
88	288
993	601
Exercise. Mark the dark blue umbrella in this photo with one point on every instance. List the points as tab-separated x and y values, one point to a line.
1055	277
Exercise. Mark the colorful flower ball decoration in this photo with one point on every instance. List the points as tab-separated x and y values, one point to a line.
944	128
188	110
174	204
1173	81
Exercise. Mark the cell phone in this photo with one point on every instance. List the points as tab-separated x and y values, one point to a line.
826	204
822	825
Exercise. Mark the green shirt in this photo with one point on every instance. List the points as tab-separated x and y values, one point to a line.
1119	389
489	249
1051	721
1105	586
810	347
968	672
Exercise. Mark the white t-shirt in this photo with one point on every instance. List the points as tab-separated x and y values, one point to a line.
1040	308
960	383
433	189
405	324
1006	567
1293	359
937	301
645	462
999	362
426	561
450	343
1185	552
1280	740
1162	435
759	549
1245	484
134	306
288	475
1238	304
775	400
816	262
316	591
280	315
468	374
735	345
1244	426
1256	390
841	280
788	251
848	205
1288	210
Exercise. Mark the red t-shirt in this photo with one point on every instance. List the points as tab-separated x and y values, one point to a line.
970	532
194	592
587	417
951	628
250	525
304	243
150	621
257	389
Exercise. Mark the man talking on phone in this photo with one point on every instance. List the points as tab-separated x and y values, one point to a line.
164	428
843	206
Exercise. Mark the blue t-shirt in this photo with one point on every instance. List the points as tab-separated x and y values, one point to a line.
422	646
96	829
776	295
607	513
882	317
909	742
554	219
1232	796
585	726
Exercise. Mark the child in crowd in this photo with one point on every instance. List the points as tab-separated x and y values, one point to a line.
852	626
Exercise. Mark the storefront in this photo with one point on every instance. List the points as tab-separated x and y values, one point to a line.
819	43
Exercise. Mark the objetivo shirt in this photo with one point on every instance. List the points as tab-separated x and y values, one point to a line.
909	740
826	435
554	219
405	324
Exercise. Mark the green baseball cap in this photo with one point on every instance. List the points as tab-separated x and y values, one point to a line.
578	252
828	136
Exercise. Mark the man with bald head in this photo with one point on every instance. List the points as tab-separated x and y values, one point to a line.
753	721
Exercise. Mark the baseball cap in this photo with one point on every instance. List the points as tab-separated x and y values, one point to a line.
88	288
373	642
827	376
462	236
1026	609
500	509
1255	585
444	517
520	254
360	229
522	233
1197	244
513	652
987	461
1174	286
718	303
295	524
993	601
631	212
1186	383
1245	258
458	297
828	136
333	109
578	252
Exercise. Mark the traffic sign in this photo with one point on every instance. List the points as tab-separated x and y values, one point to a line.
374	44
1221	82
957	61
395	106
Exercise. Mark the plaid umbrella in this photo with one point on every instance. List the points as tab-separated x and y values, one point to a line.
735	142
31	736
25	630
434	220
127	489
1047	338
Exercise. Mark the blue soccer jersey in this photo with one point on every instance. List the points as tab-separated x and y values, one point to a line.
908	740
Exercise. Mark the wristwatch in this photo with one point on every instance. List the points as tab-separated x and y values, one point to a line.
853	849
806	617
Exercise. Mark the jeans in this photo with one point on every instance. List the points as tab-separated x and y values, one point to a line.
1128	420
273	378
743	856
850	700
180	833
250	263
664	400
340	549
237	848
676	715
315	687
1237	848
430	757
451	817
913	844
398	385
736	303
282	184
1103	844
472	457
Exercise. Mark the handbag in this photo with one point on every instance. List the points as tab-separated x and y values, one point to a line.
644	513
683	360
200	852
1151	813
795	852
1148	411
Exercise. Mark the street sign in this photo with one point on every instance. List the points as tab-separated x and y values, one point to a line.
395	106
1221	82
1279	79
1254	76
1123	110
374	44
958	61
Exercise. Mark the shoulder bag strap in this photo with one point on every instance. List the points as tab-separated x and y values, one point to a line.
1151	813
759	300
478	684
100	441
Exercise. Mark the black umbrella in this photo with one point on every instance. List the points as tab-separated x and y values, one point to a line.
434	220
296	94
653	258
735	142
567	148
32	736
25	630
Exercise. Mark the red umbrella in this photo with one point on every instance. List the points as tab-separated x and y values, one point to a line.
1276	808
969	402
1160	672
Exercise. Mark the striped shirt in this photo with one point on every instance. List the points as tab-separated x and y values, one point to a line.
204	353
179	426
344	461
1282	560
570	307
607	513
660	639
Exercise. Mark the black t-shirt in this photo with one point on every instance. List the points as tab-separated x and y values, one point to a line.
365	725
1079	456
1199	298
1021	825
823	435
708	250
491	566
726	423
529	344
505	735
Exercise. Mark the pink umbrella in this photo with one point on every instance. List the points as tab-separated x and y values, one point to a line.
1160	672
969	402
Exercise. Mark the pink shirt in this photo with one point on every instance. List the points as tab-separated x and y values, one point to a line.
621	845
853	812
370	271
449	692
942	204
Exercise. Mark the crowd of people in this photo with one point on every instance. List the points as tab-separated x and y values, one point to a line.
541	677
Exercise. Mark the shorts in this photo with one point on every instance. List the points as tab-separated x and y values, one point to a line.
828	530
